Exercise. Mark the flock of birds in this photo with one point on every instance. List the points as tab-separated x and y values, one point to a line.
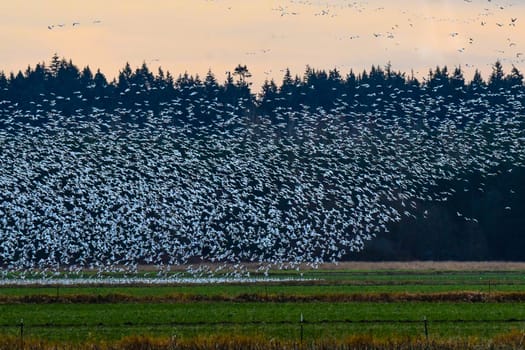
92	191
399	25
73	24
395	30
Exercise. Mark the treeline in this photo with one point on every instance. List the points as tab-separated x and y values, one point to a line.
64	87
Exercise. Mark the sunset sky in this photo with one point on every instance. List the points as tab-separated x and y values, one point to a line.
267	36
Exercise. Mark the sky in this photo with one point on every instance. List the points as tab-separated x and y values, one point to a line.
267	35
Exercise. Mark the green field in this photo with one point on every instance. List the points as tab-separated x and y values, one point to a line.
281	320
320	282
74	314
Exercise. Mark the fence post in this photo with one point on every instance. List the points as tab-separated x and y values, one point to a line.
425	322
22	334
302	329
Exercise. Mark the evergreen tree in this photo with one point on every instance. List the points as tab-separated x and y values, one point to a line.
210	82
287	85
211	86
457	80
124	77
229	87
496	80
54	66
184	81
36	81
514	79
457	84
4	90
3	82
86	77
160	79
438	82
143	78
101	84
17	86
268	96
169	92
170	82
350	83
287	79
477	83
376	76
413	85
67	78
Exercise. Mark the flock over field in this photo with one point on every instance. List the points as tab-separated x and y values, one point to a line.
149	169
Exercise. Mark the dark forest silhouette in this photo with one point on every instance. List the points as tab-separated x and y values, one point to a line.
499	234
140	88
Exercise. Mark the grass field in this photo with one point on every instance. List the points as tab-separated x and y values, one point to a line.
336	303
79	322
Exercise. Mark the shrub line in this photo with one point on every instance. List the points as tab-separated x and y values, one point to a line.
468	297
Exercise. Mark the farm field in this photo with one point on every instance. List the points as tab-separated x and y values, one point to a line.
458	305
80	322
323	285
